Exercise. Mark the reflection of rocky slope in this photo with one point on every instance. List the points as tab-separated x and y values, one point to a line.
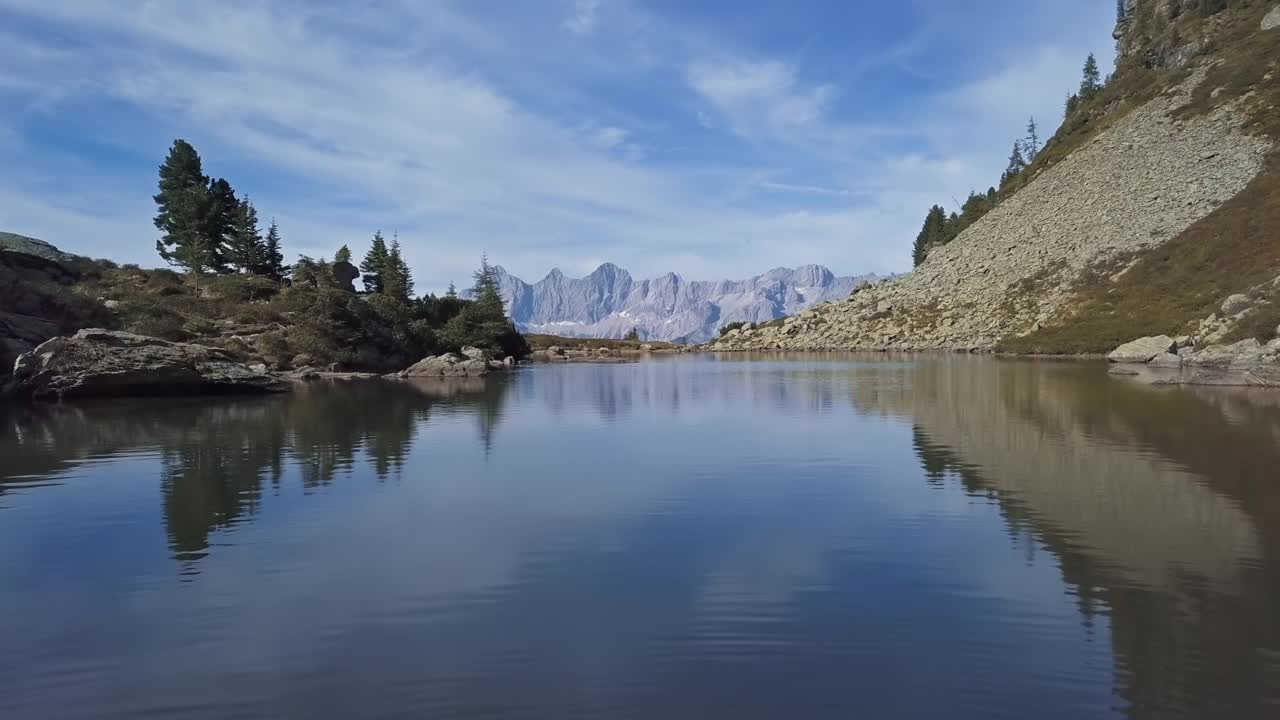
1142	513
608	303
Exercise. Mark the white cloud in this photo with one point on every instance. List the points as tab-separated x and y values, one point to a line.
760	95
583	20
420	118
608	138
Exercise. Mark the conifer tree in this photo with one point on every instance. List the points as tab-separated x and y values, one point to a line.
343	255
487	304
1091	83
246	251
1032	142
1016	165
273	257
374	262
220	219
931	235
182	203
397	280
452	292
1073	102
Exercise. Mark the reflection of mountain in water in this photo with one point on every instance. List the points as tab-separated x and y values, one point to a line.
216	456
1099	473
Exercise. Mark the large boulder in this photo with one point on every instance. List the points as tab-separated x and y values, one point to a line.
1142	350
1271	20
107	363
475	353
447	365
1244	353
1235	304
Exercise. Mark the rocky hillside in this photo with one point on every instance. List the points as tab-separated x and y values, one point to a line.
609	303
1154	202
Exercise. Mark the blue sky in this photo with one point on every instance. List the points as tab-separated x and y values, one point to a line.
716	139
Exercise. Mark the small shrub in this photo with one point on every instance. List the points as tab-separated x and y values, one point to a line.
737	325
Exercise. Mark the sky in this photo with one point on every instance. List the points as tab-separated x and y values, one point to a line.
716	139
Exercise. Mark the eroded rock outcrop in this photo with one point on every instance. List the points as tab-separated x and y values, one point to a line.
107	363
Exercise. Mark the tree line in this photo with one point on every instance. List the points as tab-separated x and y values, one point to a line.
941	227
207	229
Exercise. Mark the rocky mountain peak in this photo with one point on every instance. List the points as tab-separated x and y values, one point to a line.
609	303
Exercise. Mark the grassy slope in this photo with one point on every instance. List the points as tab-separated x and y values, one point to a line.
1169	288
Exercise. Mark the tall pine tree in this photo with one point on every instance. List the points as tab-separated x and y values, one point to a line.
486	298
183	202
220	213
1017	164
273	257
371	268
246	251
931	235
1032	141
343	255
397	280
1091	82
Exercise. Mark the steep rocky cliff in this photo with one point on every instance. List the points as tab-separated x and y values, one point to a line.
609	303
1155	201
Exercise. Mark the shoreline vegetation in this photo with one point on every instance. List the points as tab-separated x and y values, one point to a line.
230	291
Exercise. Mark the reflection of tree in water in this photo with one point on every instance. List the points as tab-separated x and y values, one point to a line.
1192	637
215	455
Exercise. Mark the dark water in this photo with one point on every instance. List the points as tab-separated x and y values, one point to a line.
687	538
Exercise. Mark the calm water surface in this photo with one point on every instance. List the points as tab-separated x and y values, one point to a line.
696	537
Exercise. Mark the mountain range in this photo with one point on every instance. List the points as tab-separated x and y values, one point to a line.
609	303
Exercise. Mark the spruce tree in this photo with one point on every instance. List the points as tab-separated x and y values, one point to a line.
452	292
343	255
933	234
374	262
220	217
397	280
272	256
1033	140
182	203
1016	165
246	249
486	298
1091	83
1073	102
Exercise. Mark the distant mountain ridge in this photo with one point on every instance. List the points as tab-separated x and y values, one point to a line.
609	303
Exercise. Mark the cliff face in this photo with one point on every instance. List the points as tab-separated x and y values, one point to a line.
609	303
1154	162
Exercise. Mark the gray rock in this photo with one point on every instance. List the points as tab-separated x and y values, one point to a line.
1166	361
609	303
31	246
508	362
1271	20
1243	352
97	363
444	366
21	334
1142	350
1235	304
475	353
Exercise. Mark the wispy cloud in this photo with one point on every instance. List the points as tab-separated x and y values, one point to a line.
469	131
755	96
583	19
